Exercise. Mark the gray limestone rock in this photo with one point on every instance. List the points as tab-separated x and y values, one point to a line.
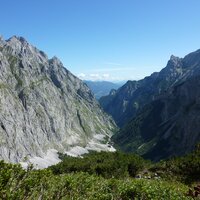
43	106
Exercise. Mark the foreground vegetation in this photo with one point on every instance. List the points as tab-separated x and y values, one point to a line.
185	169
103	176
106	164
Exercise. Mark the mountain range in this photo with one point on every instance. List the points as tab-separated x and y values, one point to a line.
44	108
159	115
102	88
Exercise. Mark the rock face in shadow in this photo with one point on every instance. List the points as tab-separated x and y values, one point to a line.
131	97
169	123
43	106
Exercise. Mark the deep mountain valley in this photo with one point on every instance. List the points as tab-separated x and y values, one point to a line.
50	117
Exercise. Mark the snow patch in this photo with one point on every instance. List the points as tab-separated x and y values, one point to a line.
99	137
94	146
51	158
76	151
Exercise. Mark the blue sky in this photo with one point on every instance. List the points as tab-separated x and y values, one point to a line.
106	39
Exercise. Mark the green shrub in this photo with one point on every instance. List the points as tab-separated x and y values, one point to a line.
106	164
185	169
18	184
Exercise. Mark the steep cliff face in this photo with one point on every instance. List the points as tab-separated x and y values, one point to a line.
43	106
131	97
168	126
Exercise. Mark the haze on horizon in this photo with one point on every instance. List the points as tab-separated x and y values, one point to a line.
106	40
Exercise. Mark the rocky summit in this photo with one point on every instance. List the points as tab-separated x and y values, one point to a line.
45	108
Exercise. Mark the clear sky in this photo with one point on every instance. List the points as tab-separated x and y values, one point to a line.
106	39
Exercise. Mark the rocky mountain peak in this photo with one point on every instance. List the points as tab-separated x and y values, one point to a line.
43	106
21	48
174	61
174	58
55	61
15	39
17	43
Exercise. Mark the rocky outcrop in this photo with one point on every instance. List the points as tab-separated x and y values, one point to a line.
43	106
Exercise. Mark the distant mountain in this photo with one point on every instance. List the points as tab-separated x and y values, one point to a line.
159	114
102	88
44	107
